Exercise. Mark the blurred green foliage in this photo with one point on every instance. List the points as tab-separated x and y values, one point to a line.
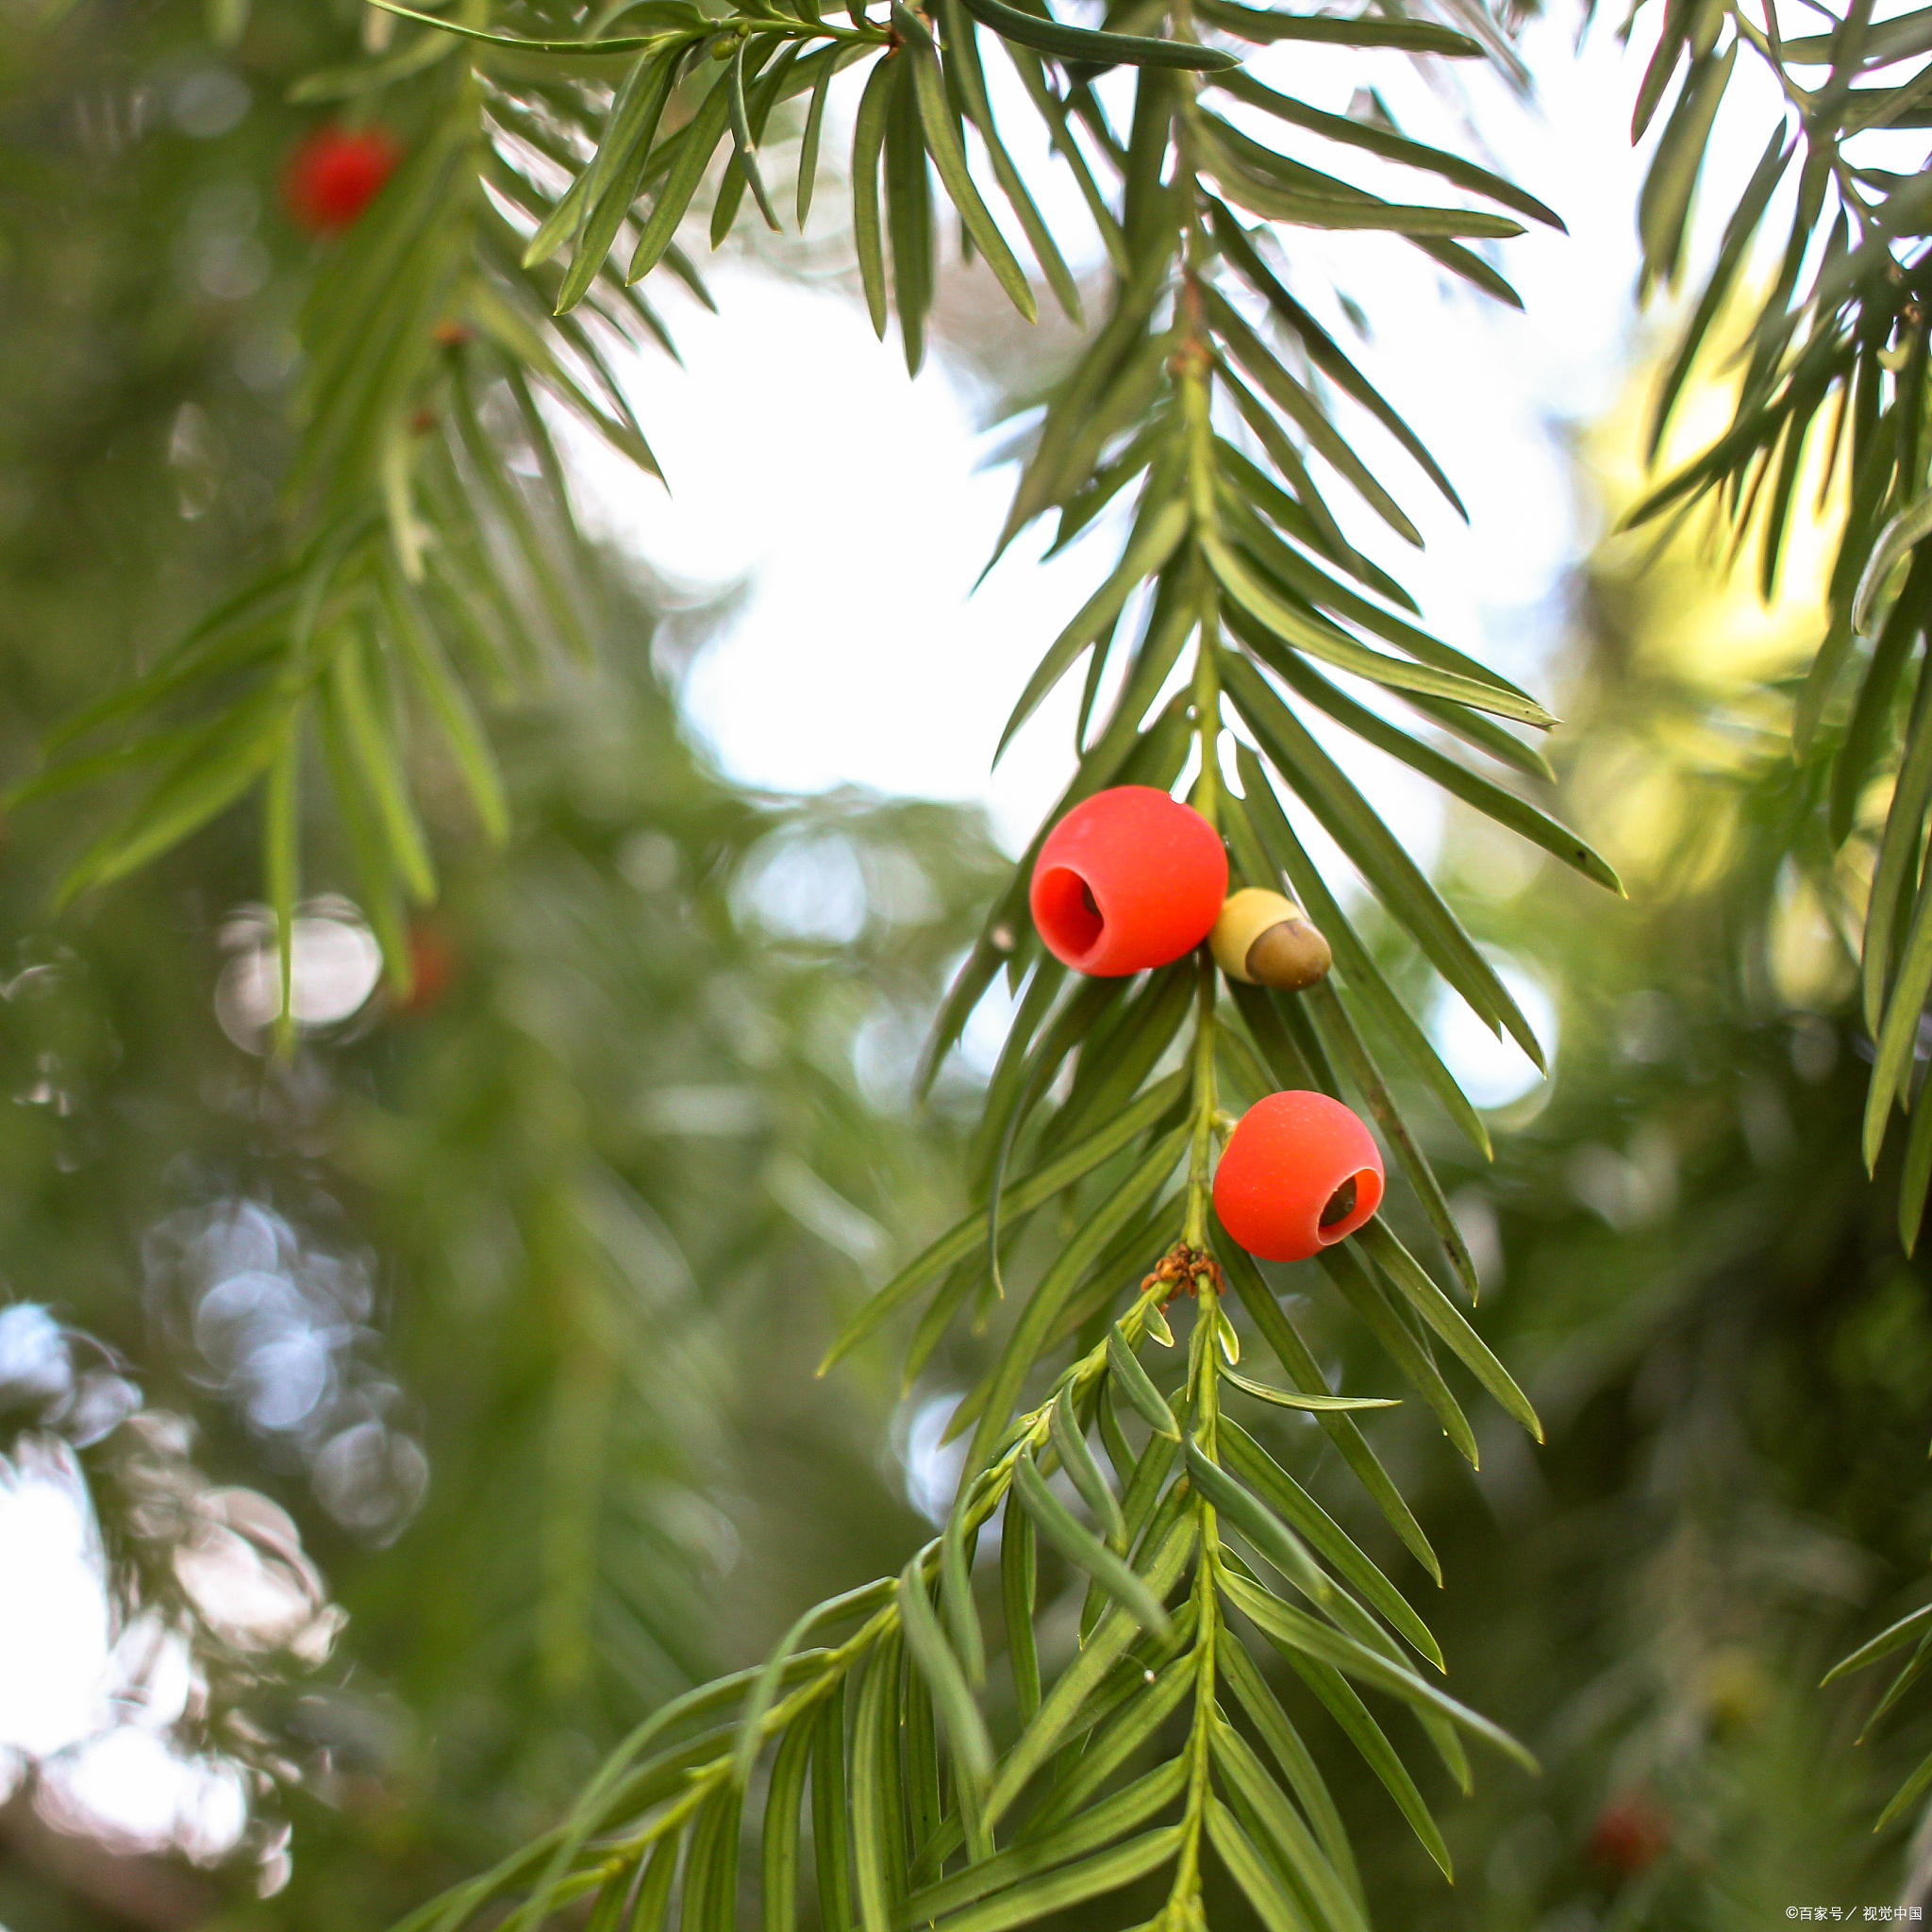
645	1124
1704	1296
588	1198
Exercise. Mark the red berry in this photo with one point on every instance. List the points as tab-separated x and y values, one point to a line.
432	969
1300	1172
335	175
1130	879
1630	1835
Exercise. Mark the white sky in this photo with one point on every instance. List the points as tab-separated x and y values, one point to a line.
89	1708
94	1688
867	663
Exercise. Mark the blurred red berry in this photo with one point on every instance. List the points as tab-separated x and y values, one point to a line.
335	175
432	969
1630	1835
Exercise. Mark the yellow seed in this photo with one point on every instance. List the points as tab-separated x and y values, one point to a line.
1244	917
1266	940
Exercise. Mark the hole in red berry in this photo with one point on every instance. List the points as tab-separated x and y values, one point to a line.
1341	1203
1068	912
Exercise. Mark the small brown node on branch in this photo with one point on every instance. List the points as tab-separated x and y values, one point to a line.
1181	1268
451	335
422	421
1191	358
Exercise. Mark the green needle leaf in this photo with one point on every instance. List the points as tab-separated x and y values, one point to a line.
826	65
1046	36
949	157
1258	1523
962	1613
1018	1197
868	230
743	145
1296	1630
779	1855
1098	1654
1076	1459
1275	1485
972	1746
875	1795
577	49
1155	539
1301	1367
1447	1320
1893	1638
698	140
1080	1547
1320	640
1072	1885
1287	1398
771	1676
1135	1384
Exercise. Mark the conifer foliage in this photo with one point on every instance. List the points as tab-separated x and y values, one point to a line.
1832	399
548	161
911	1754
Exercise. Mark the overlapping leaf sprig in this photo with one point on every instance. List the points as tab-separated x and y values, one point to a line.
887	1758
425	554
1832	397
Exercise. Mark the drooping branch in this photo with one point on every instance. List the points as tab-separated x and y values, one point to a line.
1211	412
1203	404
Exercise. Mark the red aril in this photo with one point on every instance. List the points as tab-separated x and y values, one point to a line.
1300	1172
1129	880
